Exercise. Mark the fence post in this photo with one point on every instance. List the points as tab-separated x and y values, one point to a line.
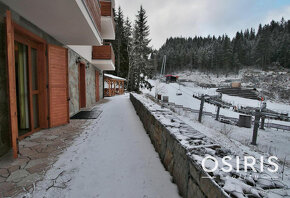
256	127
201	108
218	112
262	123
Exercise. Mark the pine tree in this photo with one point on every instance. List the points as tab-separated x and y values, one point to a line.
117	44
120	45
263	49
140	53
284	52
227	54
129	45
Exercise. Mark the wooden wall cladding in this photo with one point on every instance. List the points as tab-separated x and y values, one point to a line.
102	52
106	8
58	85
95	11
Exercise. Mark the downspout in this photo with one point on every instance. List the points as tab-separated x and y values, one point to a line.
103	85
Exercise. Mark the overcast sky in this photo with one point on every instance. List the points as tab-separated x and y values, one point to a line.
204	17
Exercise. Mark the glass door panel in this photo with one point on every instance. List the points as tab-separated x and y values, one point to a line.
34	84
22	87
34	69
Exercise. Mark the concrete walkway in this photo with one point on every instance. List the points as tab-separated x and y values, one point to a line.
112	158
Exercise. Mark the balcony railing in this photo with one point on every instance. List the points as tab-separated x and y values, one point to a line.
94	9
106	8
104	52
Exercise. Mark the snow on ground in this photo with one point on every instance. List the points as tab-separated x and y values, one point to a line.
204	78
274	84
237	182
113	158
188	101
272	141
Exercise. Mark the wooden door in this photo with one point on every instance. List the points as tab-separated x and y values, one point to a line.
28	84
58	85
82	85
34	81
97	86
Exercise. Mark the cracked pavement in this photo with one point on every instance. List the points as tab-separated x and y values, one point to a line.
38	153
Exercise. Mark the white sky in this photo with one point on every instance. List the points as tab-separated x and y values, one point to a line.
203	17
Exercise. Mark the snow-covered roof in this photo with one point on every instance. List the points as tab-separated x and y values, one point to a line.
114	77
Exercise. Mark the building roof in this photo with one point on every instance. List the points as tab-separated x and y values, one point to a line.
169	75
114	77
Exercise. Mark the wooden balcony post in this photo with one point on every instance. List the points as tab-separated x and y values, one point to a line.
114	87
109	88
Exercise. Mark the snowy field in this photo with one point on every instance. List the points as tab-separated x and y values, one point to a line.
272	141
188	101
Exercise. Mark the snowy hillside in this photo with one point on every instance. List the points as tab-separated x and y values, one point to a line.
274	85
270	141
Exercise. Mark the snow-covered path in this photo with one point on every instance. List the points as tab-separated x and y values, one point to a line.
114	159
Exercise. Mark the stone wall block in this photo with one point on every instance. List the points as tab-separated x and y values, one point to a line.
181	168
195	171
193	190
168	161
209	187
163	145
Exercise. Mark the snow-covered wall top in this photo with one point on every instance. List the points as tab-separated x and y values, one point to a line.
238	182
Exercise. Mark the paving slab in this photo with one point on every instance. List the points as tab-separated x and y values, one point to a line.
17	176
4	172
37	154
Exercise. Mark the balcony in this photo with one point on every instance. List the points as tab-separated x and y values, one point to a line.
94	8
72	22
103	57
107	20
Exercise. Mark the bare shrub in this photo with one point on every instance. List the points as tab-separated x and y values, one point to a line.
159	88
226	130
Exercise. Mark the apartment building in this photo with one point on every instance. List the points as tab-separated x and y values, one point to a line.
52	57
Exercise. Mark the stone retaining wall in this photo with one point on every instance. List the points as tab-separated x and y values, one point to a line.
191	180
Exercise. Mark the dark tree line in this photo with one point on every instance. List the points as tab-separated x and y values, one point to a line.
269	46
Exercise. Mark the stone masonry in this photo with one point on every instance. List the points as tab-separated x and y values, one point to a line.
190	178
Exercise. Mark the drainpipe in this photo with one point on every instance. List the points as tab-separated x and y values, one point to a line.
103	85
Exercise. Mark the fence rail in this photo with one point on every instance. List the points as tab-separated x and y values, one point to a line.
225	119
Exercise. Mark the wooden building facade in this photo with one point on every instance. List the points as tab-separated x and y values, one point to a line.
113	85
49	73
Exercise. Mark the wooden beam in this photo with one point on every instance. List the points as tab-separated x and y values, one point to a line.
109	87
11	84
114	87
18	29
